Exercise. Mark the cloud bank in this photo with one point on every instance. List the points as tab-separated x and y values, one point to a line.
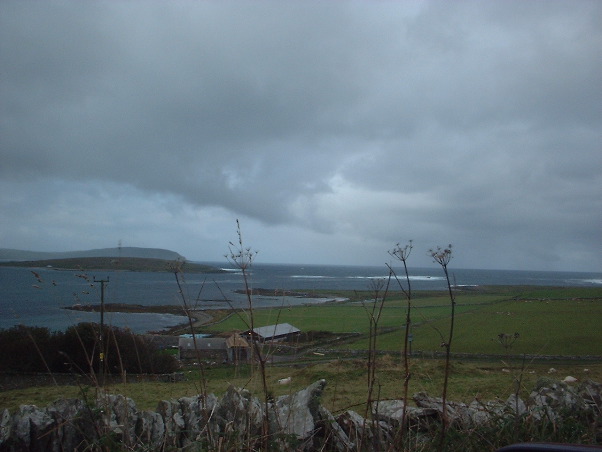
331	130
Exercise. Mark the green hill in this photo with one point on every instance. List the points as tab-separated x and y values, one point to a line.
122	252
115	264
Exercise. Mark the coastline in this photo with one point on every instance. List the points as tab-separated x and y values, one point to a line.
198	317
40	298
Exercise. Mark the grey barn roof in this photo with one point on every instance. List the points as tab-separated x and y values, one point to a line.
280	329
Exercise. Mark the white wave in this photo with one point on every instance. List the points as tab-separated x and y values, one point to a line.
413	278
421	278
592	281
401	277
427	278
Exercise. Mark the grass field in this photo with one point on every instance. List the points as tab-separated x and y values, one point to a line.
550	321
350	316
560	327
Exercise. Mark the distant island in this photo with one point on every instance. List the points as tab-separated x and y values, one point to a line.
116	259
136	264
7	254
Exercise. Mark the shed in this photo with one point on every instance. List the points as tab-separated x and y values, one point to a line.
274	333
239	349
232	349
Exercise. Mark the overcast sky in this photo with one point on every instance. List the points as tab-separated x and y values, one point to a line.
331	130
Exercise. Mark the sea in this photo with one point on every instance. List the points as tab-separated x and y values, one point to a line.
40	296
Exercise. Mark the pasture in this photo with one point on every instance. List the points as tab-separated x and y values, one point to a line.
550	321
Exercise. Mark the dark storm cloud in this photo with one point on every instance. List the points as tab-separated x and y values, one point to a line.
471	122
198	105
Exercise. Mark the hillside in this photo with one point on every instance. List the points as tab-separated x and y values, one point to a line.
113	263
150	253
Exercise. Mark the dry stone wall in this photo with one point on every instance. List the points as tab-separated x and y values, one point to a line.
298	421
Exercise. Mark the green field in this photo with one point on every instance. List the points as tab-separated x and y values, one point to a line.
352	316
550	321
564	327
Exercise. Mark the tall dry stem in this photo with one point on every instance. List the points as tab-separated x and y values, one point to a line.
177	270
402	254
374	311
242	258
443	256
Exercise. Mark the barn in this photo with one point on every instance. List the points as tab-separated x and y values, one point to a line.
274	333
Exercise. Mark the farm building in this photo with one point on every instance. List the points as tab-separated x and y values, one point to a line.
231	349
274	333
238	348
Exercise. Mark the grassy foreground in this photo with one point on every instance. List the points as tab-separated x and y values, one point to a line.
346	382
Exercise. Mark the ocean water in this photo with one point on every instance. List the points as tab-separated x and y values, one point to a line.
39	299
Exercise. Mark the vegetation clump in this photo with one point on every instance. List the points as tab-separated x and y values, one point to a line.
78	350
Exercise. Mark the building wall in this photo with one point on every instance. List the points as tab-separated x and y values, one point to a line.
214	355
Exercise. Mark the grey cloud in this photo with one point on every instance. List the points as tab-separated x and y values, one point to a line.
362	119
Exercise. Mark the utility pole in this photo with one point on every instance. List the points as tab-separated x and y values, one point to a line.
102	326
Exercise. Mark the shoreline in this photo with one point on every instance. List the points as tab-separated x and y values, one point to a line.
198	317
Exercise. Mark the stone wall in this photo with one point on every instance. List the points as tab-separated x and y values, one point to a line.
298	421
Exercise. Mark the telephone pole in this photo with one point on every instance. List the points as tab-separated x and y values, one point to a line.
102	325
